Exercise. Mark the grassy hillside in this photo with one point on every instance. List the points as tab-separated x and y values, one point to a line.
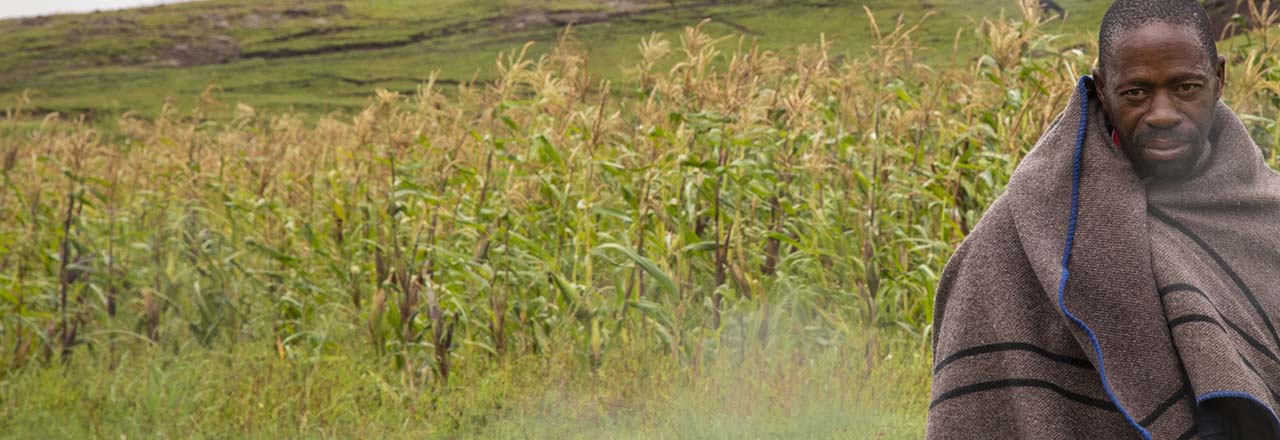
322	56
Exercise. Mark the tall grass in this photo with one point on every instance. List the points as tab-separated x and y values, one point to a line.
733	242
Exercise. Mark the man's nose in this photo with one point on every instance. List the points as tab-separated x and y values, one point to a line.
1163	113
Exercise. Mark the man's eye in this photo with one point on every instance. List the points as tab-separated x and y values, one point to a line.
1188	87
1133	93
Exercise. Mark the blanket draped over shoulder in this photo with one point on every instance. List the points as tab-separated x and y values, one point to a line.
1089	303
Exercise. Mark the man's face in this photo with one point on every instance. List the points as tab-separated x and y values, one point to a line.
1159	90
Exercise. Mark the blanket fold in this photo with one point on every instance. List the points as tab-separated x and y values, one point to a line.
1089	303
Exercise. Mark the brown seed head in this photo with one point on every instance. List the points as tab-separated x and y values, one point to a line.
10	160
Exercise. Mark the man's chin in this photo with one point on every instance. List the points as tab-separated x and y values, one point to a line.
1167	162
1169	170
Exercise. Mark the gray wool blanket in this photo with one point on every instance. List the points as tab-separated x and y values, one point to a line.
1091	304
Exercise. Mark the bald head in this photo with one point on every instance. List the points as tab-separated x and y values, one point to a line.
1126	16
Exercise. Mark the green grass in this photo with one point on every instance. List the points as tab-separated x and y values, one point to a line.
248	392
101	75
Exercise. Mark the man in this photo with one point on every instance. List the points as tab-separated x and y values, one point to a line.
1127	283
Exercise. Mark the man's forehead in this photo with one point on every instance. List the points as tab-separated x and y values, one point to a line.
1172	49
1160	34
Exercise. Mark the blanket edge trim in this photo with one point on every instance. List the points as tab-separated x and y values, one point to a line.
1083	89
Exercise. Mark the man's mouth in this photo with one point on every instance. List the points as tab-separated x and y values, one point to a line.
1161	150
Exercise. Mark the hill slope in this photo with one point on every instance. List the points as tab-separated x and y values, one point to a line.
322	56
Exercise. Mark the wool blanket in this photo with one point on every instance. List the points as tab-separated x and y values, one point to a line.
1089	303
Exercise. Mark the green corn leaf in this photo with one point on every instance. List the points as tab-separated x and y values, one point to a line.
664	280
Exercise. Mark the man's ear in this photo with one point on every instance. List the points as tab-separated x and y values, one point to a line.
1100	84
1222	74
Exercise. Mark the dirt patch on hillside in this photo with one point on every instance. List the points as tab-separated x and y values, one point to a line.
312	33
217	49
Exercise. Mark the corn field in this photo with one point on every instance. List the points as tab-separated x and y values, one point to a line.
722	200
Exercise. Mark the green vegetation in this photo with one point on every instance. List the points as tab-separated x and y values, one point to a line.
315	57
717	243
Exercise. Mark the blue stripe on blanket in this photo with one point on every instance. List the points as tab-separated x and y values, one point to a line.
1083	89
